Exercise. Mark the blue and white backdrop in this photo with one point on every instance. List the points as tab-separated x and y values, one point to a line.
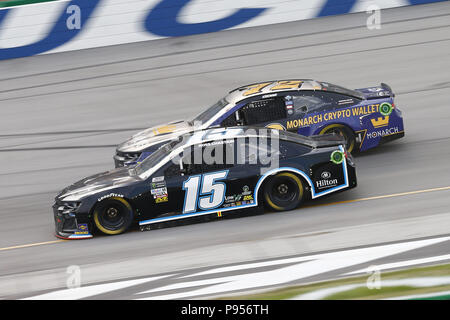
78	24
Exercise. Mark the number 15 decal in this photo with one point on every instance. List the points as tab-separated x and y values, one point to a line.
204	192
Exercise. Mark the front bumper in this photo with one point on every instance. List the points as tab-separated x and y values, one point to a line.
70	225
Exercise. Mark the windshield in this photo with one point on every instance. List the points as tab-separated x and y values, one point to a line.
211	111
156	157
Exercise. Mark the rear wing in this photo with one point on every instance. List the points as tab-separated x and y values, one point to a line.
378	92
388	88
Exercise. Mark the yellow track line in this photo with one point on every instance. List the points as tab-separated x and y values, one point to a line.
31	245
316	205
381	197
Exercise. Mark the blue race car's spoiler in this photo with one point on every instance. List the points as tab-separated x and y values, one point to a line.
378	92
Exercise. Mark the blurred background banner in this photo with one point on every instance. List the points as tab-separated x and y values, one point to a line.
31	27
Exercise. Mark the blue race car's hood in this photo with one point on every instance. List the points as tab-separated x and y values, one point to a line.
155	135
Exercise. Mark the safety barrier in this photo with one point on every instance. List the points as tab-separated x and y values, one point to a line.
56	26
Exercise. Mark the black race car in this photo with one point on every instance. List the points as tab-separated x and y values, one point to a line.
207	172
365	117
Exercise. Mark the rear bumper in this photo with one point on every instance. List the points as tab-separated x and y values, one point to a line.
380	129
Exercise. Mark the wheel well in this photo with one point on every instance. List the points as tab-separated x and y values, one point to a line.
130	203
306	186
335	125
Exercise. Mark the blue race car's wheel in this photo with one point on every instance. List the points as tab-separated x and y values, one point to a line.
344	132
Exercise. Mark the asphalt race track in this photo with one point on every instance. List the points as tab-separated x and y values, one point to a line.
62	115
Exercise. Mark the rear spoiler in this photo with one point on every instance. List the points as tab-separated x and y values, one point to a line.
387	88
378	92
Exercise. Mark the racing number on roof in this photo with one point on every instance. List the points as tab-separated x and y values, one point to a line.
280	85
256	88
285	85
212	193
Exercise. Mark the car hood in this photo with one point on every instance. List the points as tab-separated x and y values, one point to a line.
97	183
151	136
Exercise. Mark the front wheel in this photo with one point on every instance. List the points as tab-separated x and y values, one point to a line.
113	216
344	132
283	192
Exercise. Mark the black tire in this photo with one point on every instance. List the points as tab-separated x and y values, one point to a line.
345	132
113	216
283	192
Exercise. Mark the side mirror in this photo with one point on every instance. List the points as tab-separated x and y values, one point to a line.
239	120
183	170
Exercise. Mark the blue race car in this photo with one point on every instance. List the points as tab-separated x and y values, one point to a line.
365	117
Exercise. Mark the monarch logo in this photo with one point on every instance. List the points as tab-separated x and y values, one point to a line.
380	122
382	133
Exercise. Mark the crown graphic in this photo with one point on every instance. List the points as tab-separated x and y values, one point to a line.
380	122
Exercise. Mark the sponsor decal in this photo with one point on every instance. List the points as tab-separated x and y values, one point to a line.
229	199
326	183
386	109
346	101
269	95
82	229
332	115
380	122
159	191
214	143
164	129
161	199
247	198
326	175
158	179
337	157
111	195
382	133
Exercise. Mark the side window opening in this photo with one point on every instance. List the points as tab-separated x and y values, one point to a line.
230	121
265	110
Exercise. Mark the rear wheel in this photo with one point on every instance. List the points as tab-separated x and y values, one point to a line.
344	132
283	192
113	216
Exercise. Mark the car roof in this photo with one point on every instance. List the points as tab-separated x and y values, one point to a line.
267	87
275	86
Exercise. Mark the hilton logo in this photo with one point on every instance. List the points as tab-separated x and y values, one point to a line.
325	175
321	184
